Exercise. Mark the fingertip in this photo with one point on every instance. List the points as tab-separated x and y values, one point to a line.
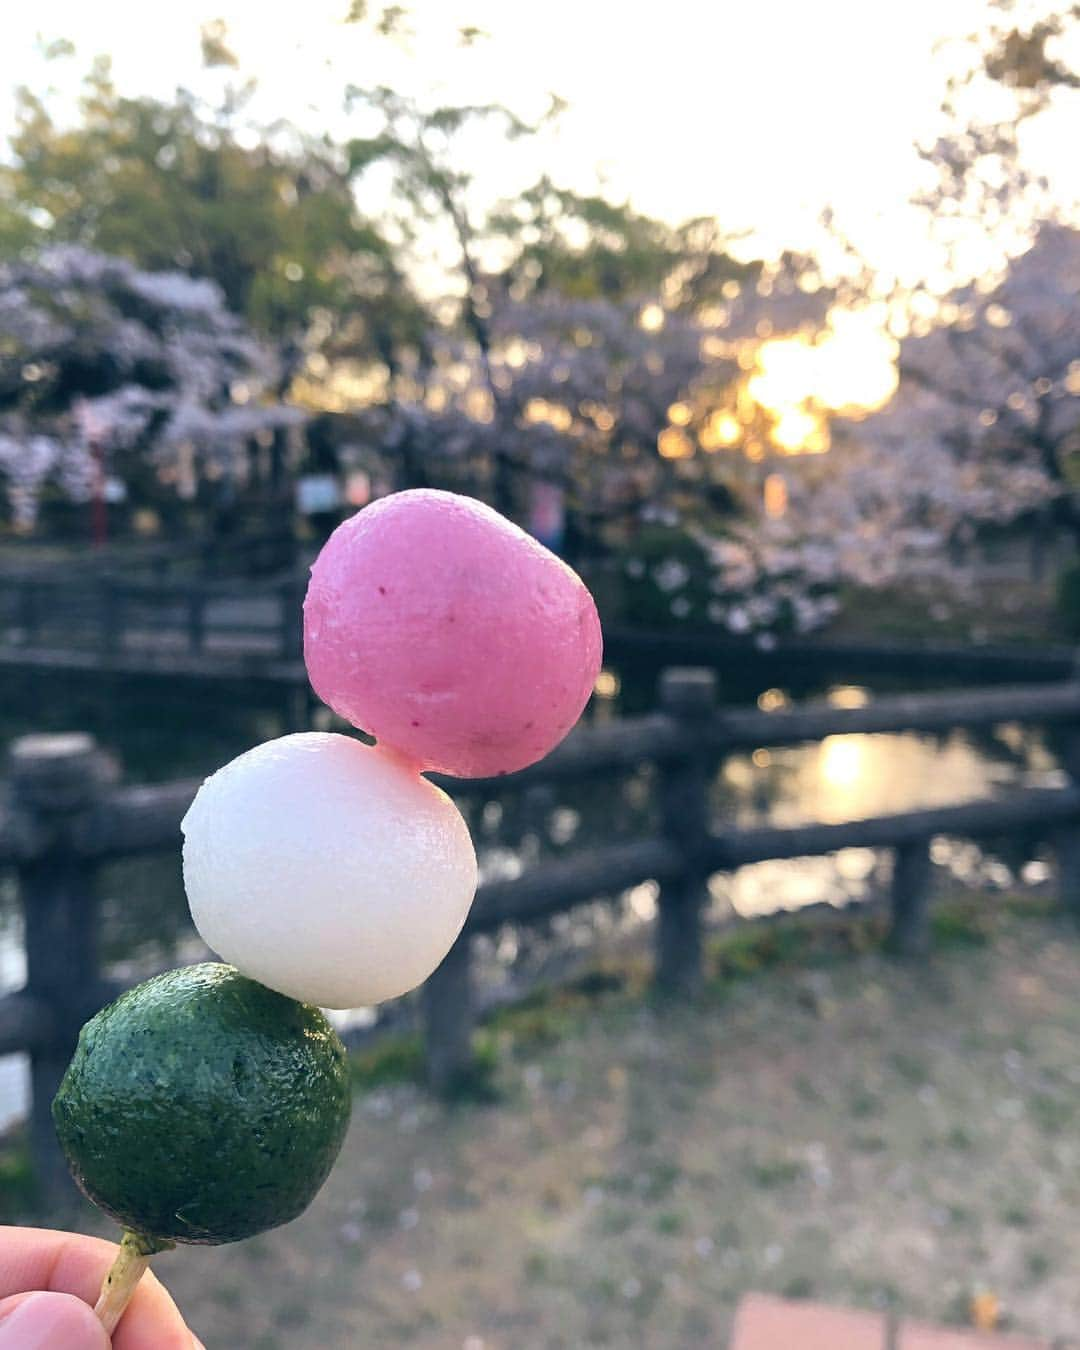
70	1264
46	1321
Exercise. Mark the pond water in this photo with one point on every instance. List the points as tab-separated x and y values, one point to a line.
160	736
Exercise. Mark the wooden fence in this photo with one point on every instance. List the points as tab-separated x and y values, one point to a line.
228	627
111	622
246	553
67	813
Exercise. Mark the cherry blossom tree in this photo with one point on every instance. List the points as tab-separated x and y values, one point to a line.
985	424
621	407
611	400
99	358
983	428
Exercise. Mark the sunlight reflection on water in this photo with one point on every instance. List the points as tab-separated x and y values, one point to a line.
847	777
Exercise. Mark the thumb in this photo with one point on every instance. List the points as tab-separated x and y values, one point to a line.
49	1322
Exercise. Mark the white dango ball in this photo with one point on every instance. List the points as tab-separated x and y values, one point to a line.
328	870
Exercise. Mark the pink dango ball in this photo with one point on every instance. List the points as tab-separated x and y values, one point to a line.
448	633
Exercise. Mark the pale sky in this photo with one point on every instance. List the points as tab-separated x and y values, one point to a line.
761	114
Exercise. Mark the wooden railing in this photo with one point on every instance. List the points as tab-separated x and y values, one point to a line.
229	627
67	814
109	622
246	553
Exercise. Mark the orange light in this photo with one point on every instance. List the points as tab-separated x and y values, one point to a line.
674	444
776	496
793	429
721	429
555	414
607	684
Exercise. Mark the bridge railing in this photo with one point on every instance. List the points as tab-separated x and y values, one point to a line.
245	552
225	626
67	814
114	617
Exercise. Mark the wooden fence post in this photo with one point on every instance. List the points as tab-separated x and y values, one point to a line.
688	696
54	781
448	1019
909	931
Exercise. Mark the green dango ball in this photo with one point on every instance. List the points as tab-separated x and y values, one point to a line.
201	1107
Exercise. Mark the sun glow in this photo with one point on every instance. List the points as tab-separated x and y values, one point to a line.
673	443
721	429
851	369
797	430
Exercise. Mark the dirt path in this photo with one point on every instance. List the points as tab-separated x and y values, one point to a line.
847	1129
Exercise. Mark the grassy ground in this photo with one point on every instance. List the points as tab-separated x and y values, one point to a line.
823	1122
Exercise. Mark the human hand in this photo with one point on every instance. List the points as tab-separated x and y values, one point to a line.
49	1282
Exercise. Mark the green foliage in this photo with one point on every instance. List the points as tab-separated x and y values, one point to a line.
586	247
718	575
17	1189
400	1059
666	576
17	230
170	185
772	1172
535	1024
475	1083
397	1059
750	951
965	922
272	216
419	144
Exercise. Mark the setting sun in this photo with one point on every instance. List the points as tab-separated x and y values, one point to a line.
721	429
851	369
799	431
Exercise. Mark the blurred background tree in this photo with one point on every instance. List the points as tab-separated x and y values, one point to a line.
1009	72
268	213
138	385
592	370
